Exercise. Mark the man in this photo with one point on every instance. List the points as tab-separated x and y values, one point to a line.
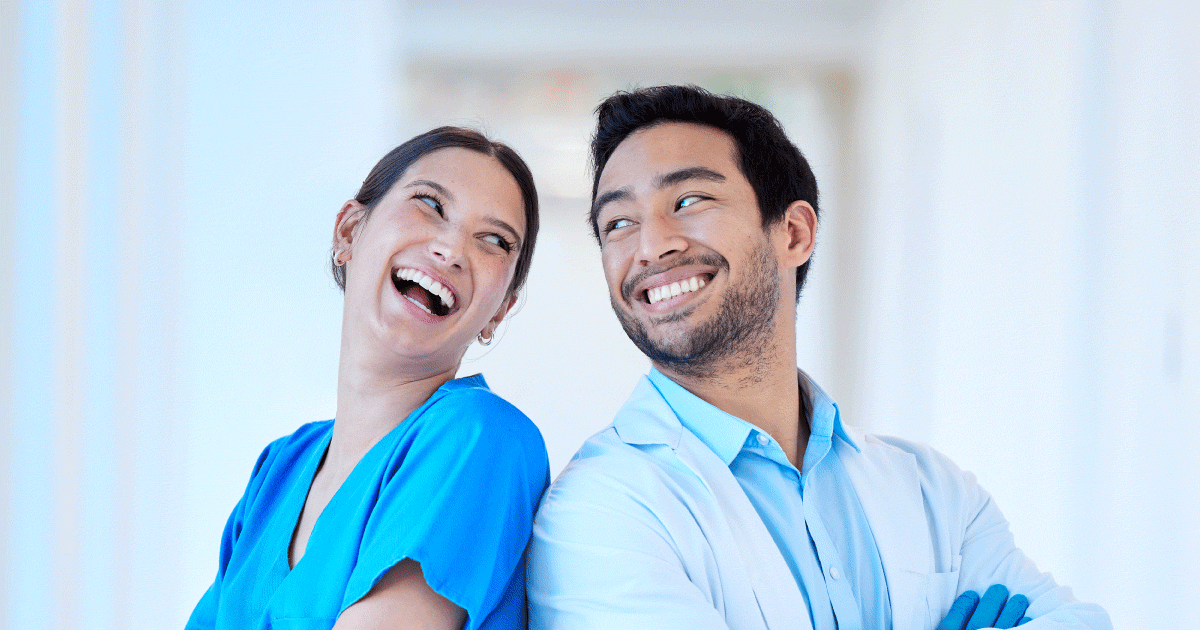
727	493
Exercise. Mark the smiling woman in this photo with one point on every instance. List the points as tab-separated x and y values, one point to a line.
414	506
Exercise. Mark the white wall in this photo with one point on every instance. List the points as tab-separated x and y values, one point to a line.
1032	304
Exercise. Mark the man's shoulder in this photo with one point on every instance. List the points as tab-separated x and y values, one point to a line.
608	459
933	468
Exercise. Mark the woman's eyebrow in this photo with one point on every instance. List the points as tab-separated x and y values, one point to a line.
441	190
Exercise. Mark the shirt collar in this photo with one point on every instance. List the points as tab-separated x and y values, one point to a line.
726	434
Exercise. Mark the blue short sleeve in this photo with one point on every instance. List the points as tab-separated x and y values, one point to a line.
458	496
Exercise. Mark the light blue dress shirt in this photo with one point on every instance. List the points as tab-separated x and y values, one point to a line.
814	515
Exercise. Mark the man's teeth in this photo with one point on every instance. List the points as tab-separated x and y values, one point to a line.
427	283
658	294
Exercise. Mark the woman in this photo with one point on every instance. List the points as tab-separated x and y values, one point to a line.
412	508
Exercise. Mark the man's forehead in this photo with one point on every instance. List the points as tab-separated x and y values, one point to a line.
649	153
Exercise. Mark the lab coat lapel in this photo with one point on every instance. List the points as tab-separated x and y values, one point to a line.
779	598
647	419
889	489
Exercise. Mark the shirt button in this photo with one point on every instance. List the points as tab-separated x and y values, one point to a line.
834	573
762	440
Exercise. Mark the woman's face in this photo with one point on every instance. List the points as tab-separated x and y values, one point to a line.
430	269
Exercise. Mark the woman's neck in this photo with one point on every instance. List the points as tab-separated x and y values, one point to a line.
372	399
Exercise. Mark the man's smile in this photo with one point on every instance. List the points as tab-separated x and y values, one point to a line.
668	290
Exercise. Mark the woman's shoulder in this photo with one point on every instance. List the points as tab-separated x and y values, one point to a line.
286	449
468	402
307	437
467	413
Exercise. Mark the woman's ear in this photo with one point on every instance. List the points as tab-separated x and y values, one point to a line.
505	306
346	228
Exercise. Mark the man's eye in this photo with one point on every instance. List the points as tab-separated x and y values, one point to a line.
617	224
690	200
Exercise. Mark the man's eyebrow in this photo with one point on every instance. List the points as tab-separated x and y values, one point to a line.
441	190
621	194
685	174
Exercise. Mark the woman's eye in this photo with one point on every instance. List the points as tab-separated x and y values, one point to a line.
499	241
431	202
690	200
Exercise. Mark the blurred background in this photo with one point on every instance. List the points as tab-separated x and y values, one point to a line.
1005	267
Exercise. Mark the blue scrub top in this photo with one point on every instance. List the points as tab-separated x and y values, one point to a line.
454	487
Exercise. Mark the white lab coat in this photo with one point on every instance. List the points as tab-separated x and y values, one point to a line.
648	528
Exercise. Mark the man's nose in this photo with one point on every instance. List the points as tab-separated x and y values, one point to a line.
660	238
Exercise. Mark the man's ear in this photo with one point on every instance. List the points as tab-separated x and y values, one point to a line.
799	233
505	306
346	228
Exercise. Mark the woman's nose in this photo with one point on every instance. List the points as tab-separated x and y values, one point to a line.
447	247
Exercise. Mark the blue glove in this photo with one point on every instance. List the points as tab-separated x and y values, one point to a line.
960	610
994	610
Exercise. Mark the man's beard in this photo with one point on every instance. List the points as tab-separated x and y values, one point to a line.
738	335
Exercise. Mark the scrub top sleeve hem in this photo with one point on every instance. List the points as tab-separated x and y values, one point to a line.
358	590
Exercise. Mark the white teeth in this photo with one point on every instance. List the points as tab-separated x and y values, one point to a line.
423	308
658	294
429	284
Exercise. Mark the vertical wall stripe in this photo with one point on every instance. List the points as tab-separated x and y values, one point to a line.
132	163
98	533
31	519
70	209
846	301
10	89
166	474
1092	456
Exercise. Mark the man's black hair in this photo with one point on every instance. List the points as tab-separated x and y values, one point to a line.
775	168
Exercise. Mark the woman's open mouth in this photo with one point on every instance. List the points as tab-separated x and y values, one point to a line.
430	295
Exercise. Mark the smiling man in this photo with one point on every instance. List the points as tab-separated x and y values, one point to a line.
727	493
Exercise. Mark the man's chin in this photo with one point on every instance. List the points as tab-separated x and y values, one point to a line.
670	349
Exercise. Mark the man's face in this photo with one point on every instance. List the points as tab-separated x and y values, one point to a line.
692	275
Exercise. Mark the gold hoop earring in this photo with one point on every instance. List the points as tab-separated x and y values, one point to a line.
489	341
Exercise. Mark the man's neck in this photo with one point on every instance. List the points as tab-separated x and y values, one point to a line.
766	393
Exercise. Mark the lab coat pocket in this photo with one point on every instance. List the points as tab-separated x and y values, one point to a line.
920	600
940	593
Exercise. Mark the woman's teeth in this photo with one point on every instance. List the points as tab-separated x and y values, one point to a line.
427	283
658	294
